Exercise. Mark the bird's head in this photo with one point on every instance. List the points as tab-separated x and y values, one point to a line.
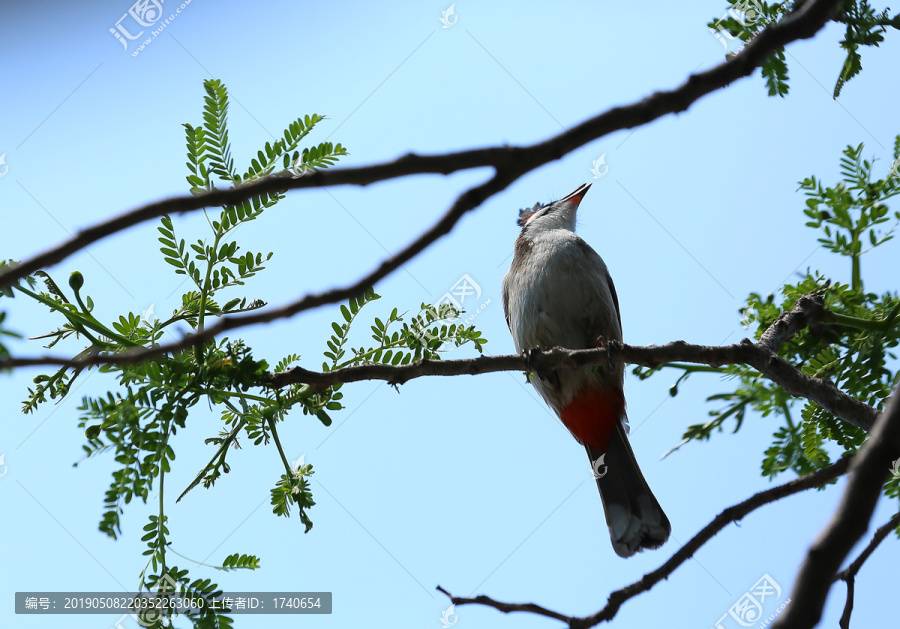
556	215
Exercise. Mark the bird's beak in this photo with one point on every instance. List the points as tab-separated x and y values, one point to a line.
578	194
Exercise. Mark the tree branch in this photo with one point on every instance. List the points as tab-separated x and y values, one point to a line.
849	573
733	513
849	522
761	356
778	370
467	201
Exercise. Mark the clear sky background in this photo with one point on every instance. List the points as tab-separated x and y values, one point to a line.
467	483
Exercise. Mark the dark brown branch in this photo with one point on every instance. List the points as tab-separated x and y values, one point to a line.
849	573
757	355
849	522
796	383
509	164
762	356
733	513
469	200
880	534
844	622
410	164
778	370
506	607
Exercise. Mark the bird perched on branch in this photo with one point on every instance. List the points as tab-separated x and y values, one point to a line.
558	292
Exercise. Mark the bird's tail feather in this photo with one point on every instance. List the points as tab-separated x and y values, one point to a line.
635	519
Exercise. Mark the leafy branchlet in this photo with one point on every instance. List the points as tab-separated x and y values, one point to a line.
746	18
138	420
855	347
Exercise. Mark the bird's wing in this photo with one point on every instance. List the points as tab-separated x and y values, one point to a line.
615	297
505	292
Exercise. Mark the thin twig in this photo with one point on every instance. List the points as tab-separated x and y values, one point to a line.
506	607
849	573
844	622
880	534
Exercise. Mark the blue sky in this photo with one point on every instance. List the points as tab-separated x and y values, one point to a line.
467	483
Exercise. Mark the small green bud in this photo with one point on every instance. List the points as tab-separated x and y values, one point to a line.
673	390
76	280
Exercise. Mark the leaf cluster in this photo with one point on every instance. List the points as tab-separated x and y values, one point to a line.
855	347
136	422
742	22
398	342
865	26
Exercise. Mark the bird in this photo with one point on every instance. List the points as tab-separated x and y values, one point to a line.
558	293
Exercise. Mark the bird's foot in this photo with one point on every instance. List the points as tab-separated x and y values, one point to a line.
610	346
530	355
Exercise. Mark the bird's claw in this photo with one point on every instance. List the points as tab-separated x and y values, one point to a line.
610	346
530	355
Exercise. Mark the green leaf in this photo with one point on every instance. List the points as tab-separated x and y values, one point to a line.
774	70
